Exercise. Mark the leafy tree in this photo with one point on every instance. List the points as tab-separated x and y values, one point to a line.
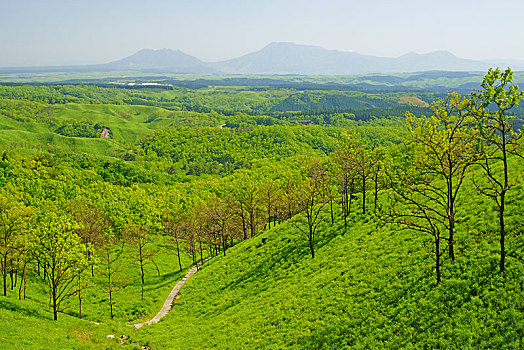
61	254
248	193
445	147
363	166
410	205
14	217
490	106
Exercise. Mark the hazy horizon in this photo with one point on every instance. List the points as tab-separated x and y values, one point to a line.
60	32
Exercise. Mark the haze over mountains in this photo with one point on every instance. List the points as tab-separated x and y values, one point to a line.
285	58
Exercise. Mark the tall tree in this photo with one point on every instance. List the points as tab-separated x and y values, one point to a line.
139	236
110	264
311	202
93	223
61	254
490	106
345	159
410	205
219	215
364	169
174	226
378	162
445	147
14	216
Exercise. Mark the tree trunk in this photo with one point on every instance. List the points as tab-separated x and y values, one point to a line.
269	212
351	189
311	242
450	240
331	210
178	252
22	282
55	306
502	203
224	242
502	232
111	301
79	301
109	284
437	257
252	223
451	215
4	273
201	254
363	194
344	212
142	275
376	193
16	275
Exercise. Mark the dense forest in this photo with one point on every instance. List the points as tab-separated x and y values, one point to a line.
334	218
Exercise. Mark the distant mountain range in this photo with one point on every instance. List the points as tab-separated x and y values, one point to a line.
284	58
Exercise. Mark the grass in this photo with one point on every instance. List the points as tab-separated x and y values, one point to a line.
370	286
127	123
28	324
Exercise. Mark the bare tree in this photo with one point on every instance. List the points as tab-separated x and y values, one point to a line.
311	202
175	225
139	237
111	266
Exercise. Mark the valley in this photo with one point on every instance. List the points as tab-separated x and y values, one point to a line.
332	212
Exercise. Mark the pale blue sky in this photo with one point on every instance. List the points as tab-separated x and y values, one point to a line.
56	32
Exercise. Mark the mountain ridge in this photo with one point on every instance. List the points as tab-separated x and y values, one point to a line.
283	58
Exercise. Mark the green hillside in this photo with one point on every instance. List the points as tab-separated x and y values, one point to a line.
327	226
370	286
26	325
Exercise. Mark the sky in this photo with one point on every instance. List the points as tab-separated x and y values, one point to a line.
68	32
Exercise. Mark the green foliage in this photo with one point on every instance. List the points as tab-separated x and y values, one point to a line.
195	170
369	286
83	128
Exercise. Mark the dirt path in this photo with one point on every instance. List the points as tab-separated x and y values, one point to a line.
169	301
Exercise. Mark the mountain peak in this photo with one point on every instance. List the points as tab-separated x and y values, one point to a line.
439	53
163	59
286	45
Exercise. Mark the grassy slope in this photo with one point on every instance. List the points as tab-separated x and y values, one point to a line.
372	287
127	123
28	324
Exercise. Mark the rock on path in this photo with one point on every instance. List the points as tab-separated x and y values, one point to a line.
174	292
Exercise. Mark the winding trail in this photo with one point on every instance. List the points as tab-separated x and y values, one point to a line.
174	292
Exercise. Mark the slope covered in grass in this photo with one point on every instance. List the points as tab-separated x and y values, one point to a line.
370	286
27	325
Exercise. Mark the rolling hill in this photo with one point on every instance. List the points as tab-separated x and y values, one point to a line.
370	286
